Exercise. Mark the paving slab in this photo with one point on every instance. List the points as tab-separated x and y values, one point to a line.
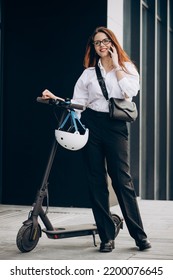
157	219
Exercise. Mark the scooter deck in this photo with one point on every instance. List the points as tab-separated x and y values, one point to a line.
71	231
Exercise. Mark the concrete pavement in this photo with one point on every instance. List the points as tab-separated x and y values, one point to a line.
158	223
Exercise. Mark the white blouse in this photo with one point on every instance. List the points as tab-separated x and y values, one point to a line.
87	90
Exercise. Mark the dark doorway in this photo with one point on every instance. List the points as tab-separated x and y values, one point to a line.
44	45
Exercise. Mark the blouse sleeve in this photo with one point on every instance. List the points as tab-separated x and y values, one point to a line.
80	94
130	83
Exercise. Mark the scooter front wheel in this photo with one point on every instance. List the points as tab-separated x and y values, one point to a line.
23	239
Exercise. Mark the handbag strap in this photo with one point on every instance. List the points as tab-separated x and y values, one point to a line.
101	81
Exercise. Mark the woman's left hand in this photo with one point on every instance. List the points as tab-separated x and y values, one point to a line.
46	94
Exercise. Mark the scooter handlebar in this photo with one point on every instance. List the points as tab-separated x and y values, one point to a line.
44	101
60	102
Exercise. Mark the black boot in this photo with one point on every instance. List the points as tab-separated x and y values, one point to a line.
107	247
143	244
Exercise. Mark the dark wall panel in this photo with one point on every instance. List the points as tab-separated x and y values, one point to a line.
44	46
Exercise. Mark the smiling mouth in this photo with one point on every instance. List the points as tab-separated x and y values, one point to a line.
104	49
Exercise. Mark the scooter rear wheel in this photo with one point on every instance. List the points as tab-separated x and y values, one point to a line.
23	240
118	221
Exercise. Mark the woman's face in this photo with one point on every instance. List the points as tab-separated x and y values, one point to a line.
102	44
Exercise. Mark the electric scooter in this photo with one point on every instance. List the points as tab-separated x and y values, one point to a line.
30	232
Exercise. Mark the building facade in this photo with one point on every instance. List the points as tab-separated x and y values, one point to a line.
35	39
150	25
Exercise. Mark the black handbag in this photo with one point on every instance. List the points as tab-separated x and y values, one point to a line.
119	109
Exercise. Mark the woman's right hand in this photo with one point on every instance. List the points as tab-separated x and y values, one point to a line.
46	94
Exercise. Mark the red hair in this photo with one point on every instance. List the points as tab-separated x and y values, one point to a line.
91	57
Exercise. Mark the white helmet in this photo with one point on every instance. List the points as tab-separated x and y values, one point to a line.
71	141
73	137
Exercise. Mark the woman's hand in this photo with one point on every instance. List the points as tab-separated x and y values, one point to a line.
114	56
46	94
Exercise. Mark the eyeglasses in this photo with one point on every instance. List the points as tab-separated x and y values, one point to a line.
105	42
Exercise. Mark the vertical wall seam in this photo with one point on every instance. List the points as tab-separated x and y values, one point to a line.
140	103
168	148
156	158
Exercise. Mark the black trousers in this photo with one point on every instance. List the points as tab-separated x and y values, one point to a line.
107	151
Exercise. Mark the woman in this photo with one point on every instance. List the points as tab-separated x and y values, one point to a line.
108	139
